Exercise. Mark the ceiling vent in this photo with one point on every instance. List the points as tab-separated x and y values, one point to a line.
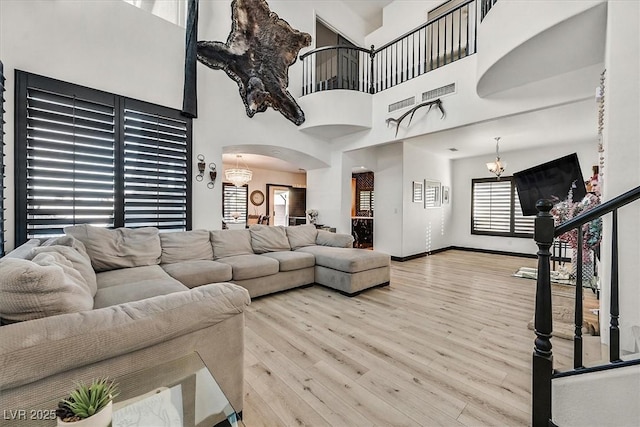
439	92
402	104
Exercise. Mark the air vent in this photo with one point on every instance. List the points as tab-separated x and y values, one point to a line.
402	104
437	93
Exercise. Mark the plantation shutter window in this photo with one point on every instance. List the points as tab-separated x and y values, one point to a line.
156	161
85	156
496	209
234	202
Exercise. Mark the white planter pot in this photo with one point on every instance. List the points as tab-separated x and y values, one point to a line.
99	419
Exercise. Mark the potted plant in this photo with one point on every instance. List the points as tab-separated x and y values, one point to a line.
88	405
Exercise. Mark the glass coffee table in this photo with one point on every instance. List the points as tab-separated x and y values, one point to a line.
179	393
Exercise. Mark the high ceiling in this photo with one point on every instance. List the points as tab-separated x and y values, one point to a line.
369	10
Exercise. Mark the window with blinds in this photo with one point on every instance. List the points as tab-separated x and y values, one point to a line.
366	200
496	209
2	169
234	202
89	157
156	160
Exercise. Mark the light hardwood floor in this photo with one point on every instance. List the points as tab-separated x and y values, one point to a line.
446	344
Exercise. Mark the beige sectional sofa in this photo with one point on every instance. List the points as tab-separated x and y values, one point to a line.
106	302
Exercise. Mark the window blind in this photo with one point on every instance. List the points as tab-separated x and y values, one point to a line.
234	202
87	156
496	209
156	161
70	162
366	200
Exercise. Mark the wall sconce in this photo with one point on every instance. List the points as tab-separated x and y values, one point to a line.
213	173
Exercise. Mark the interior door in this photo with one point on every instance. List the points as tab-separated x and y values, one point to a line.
278	205
293	212
348	65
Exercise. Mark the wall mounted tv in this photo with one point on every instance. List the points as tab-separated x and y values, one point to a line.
550	179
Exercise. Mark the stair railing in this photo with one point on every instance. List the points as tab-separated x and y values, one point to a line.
544	235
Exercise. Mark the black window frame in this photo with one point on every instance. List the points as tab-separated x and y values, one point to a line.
512	215
244	214
26	81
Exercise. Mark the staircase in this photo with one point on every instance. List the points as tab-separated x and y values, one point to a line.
607	394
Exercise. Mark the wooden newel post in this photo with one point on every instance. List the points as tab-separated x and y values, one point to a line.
542	355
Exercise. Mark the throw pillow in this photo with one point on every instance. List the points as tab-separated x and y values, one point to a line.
185	246
47	286
302	235
80	262
338	240
266	238
119	248
231	243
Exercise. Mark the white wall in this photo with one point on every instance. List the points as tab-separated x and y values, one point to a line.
400	17
424	230
464	170
388	216
622	157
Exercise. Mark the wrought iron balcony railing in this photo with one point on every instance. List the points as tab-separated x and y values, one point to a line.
438	42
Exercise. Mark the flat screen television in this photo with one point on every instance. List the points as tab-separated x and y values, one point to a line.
550	179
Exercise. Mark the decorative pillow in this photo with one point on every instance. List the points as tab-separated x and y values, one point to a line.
119	248
44	287
231	243
185	246
24	251
80	262
266	238
70	241
337	240
302	235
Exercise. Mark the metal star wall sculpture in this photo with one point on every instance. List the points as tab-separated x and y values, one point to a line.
257	55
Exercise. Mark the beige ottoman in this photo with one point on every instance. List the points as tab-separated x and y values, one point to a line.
349	270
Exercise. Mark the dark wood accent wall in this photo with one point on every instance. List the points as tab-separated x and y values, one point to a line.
364	182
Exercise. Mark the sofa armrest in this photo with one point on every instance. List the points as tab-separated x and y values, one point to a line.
36	349
337	240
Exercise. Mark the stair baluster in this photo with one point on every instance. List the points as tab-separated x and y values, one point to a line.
577	339
614	331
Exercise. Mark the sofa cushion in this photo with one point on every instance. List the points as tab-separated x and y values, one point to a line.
265	238
348	260
185	246
46	286
290	261
228	243
302	235
251	266
24	251
337	240
79	260
131	276
134	284
198	272
119	248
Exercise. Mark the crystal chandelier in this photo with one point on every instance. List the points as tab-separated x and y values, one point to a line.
238	176
498	166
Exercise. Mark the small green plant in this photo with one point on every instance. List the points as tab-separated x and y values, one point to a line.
86	400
